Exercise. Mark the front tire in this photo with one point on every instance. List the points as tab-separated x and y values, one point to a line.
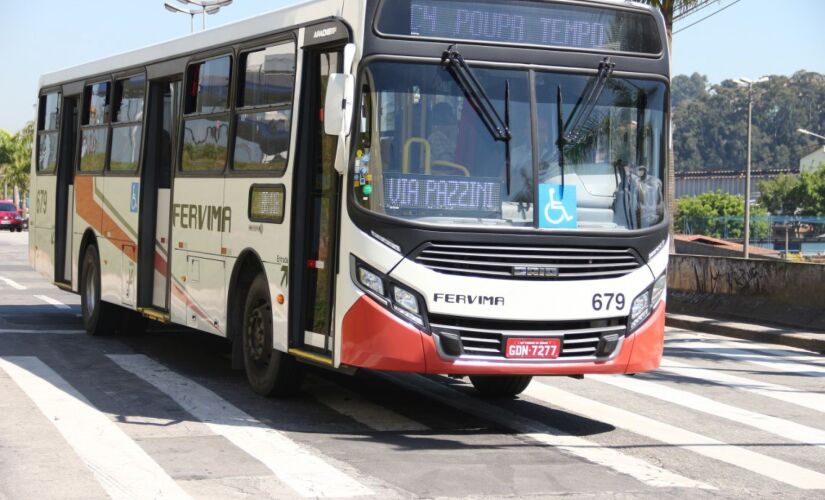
99	318
270	372
500	386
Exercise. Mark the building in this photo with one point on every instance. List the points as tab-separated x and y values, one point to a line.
727	181
812	161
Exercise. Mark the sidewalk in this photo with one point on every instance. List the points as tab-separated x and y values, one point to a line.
811	341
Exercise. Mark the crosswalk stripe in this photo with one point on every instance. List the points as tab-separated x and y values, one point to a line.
778	426
591	451
740	457
811	400
121	466
306	473
369	414
775	361
56	303
12	283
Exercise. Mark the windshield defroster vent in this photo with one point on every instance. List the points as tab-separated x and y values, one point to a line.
527	262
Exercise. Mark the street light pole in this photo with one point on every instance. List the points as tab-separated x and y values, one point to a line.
746	244
204	7
808	132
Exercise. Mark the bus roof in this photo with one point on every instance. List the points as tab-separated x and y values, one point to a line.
261	24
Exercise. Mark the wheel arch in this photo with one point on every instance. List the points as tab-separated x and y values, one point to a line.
89	238
246	267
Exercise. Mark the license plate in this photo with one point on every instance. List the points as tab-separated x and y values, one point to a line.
533	348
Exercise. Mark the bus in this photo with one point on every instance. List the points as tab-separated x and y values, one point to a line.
467	188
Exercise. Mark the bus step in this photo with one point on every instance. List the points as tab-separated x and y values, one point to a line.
311	357
155	314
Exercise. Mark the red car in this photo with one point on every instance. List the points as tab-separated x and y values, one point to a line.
10	217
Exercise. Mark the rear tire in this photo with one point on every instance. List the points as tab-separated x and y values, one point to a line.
270	372
99	318
500	386
19	229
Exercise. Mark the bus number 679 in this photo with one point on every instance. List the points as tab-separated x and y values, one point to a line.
607	301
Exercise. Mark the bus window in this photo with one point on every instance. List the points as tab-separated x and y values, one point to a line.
206	125
47	127
126	130
95	130
265	108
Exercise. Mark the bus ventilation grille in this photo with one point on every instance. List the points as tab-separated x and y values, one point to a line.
486	338
528	262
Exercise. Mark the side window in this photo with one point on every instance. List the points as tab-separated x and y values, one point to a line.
206	120
264	108
127	123
95	128
48	120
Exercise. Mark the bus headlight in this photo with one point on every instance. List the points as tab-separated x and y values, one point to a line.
405	299
402	301
370	280
646	302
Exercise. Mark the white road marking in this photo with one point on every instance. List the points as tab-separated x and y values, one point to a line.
758	463
56	303
57	332
773	425
812	400
591	451
121	466
302	470
357	408
775	360
12	283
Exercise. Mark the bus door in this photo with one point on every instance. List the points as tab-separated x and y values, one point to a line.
64	194
156	197
316	201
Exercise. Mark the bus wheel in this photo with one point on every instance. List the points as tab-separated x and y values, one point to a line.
99	318
500	386
270	372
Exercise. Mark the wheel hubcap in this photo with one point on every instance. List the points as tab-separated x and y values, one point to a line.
258	335
91	285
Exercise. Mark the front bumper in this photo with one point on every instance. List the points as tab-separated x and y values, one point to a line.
374	338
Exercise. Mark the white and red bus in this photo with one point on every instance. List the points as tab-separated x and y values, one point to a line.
432	186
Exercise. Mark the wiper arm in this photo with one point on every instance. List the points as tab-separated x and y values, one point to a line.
561	142
507	127
587	102
478	98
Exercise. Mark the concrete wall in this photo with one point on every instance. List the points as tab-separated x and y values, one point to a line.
779	292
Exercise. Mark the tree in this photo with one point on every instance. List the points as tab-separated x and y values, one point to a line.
15	160
782	195
717	214
684	88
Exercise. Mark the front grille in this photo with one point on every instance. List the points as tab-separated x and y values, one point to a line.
487	338
528	262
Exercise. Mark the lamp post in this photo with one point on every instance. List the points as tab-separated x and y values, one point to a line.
745	82
808	132
204	7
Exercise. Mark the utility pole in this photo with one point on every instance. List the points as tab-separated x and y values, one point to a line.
745	82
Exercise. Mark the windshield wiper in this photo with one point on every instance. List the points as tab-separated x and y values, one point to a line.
499	128
468	82
587	102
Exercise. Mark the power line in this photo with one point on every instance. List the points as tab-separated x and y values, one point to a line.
707	16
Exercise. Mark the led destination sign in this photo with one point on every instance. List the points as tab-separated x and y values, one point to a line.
523	22
478	196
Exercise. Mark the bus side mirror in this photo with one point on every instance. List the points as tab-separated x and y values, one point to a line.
338	104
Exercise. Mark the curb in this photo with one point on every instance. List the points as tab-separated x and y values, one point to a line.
808	341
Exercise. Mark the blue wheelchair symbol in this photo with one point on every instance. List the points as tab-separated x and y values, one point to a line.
557	206
133	200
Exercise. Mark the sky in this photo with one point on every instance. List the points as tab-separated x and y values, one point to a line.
751	38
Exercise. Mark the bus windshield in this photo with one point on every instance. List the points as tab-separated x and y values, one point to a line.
424	154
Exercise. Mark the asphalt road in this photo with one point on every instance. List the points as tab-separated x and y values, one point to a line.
162	415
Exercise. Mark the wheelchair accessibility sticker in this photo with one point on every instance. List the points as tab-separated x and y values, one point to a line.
557	206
